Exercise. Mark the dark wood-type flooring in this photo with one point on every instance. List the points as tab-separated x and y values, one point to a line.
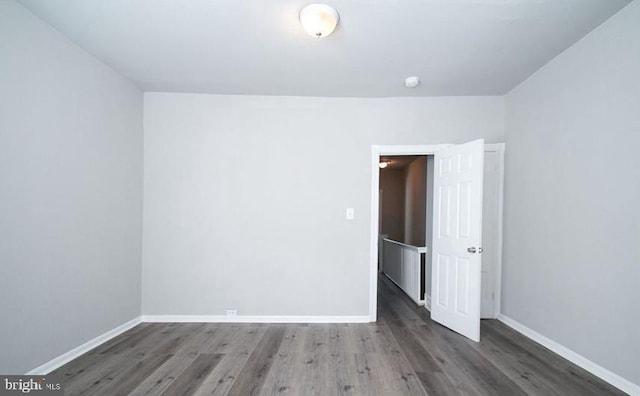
404	353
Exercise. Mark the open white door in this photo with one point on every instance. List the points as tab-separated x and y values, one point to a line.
457	232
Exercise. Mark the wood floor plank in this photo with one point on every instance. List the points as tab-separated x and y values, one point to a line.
164	376
284	375
238	341
96	378
475	368
349	372
136	374
467	369
538	365
396	375
96	357
300	373
222	378
478	373
234	337
387	375
253	375
434	380
516	367
404	353
184	337
140	331
137	339
190	380
203	335
201	341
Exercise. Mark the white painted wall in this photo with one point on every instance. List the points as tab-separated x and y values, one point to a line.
70	194
244	196
572	214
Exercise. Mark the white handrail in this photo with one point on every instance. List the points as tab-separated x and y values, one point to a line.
420	249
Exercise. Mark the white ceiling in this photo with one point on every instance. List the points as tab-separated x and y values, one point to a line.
457	47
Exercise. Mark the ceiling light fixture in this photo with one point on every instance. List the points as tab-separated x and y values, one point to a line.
383	165
319	20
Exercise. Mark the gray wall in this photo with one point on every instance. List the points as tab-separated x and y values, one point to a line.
392	200
402	202
572	198
244	196
415	202
70	194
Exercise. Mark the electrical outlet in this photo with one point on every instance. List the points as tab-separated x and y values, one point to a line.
232	312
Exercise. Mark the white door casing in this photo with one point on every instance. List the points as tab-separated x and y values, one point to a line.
457	234
491	230
376	152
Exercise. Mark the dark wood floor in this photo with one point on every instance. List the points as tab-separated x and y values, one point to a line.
405	353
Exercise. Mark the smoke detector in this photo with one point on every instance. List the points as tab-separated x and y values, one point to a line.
412	82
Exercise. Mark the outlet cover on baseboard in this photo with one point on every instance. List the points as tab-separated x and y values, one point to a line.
232	312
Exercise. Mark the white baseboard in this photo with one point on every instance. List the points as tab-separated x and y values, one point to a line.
427	302
84	348
595	369
255	319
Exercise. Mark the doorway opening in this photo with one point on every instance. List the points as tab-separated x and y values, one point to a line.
402	232
406	211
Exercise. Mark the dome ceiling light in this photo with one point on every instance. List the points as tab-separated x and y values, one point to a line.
319	20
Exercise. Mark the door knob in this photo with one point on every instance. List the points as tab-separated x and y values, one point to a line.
471	250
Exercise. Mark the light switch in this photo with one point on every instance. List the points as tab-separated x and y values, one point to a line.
349	215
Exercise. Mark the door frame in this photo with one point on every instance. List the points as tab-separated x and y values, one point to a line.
382	150
497	286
